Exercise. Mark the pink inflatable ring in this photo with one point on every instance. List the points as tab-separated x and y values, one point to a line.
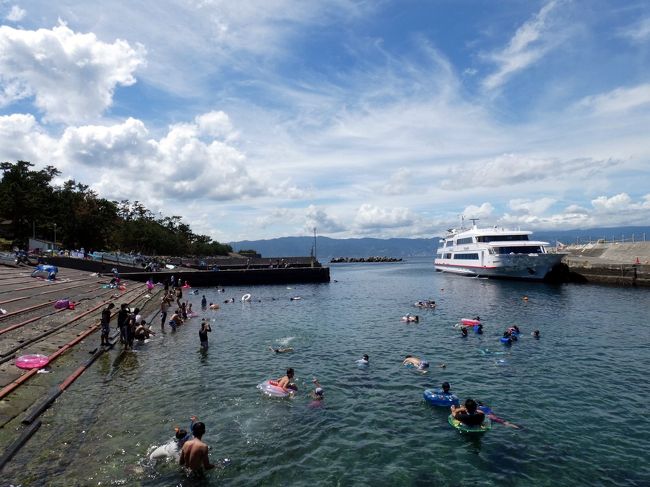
32	361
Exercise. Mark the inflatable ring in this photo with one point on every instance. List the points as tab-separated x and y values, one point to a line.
440	398
272	389
469	322
505	340
484	427
32	361
246	297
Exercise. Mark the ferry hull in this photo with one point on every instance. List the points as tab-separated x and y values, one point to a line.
532	267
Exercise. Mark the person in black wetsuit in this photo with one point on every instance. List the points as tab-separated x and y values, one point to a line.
122	322
468	414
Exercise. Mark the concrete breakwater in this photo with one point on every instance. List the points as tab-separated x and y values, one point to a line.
617	263
345	260
250	272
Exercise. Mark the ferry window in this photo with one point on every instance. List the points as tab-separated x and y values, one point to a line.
462	241
466	256
450	243
447	256
528	249
501	238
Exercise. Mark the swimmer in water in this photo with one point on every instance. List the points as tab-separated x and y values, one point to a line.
286	381
479	329
536	334
214	306
463	332
281	350
318	393
485	409
446	388
204	302
468	414
194	454
365	360
416	362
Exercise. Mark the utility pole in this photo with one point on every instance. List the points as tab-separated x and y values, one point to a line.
54	244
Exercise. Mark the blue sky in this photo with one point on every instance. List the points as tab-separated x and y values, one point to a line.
258	119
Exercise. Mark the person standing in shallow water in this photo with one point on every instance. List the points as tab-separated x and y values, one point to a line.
194	455
106	323
203	334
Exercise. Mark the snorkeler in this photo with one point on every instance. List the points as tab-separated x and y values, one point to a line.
415	362
281	350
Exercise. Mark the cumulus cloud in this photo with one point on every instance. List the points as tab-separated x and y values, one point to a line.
520	169
72	76
16	14
22	138
124	161
529	44
318	218
373	217
483	211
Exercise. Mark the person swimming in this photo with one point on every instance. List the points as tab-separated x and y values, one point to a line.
463	332
204	302
536	334
415	362
318	393
281	350
487	410
365	360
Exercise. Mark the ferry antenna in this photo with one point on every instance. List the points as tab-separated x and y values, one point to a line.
474	220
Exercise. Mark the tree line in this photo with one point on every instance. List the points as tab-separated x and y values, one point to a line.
30	203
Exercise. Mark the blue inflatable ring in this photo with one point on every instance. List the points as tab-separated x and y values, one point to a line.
439	398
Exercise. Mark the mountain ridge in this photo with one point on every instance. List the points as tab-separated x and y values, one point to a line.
327	247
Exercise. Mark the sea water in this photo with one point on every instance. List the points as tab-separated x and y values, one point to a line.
579	392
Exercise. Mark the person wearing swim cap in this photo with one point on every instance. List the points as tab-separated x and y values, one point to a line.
318	393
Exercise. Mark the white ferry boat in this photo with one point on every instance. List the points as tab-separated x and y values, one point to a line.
494	252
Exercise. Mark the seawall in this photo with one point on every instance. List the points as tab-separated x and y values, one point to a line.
616	263
294	274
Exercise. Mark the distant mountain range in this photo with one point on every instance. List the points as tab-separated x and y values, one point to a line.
326	247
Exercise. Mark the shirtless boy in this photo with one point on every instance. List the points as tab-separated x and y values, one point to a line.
194	454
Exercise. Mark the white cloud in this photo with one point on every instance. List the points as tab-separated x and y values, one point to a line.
639	32
534	207
72	76
529	44
617	100
399	182
620	201
16	14
318	218
22	138
483	211
373	217
509	169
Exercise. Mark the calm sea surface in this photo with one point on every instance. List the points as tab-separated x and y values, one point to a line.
580	392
